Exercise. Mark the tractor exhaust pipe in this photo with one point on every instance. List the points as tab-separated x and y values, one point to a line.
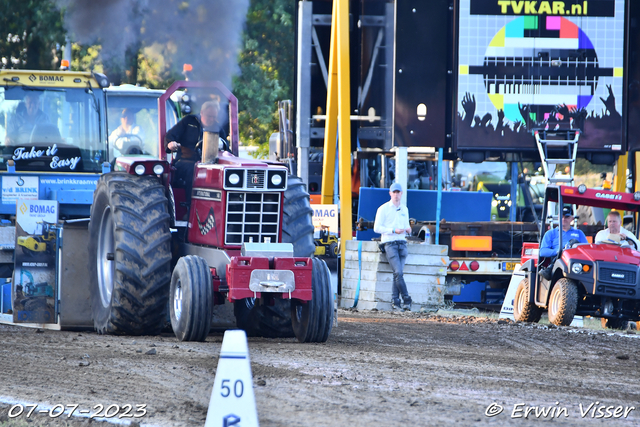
210	147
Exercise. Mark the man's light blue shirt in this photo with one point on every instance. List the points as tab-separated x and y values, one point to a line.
551	240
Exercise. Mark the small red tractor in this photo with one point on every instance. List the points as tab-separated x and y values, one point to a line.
245	237
588	279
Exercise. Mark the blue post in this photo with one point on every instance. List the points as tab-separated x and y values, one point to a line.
514	192
439	198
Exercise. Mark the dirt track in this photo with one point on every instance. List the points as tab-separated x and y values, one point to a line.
382	369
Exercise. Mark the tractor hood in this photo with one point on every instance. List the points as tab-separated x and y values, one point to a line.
603	252
229	159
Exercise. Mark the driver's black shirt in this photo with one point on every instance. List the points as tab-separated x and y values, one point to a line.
187	132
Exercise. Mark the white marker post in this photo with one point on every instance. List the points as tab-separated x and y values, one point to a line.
232	400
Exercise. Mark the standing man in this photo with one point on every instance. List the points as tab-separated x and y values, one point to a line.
551	240
183	138
616	233
392	223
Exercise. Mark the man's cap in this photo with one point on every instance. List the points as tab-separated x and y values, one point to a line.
395	187
567	211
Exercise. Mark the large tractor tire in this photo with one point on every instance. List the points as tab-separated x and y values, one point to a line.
620	324
563	302
523	309
313	320
274	321
130	255
191	299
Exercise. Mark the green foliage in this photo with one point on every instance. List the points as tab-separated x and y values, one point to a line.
266	64
31	34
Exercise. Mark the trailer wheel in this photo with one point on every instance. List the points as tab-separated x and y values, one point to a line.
130	253
620	324
523	309
274	321
191	299
313	320
563	302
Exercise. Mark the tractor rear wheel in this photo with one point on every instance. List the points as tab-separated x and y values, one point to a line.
274	321
523	309
191	299
130	253
563	302
620	324
313	320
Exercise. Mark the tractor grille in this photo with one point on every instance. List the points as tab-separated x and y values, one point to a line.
252	216
617	276
255	178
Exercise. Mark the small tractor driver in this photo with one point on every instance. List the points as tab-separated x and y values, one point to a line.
615	233
183	139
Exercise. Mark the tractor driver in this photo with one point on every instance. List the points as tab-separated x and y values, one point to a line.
28	115
185	136
128	136
615	233
551	240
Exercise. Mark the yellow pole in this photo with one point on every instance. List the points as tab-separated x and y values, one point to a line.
330	124
620	177
344	114
338	112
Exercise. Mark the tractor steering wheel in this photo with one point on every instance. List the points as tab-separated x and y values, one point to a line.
130	143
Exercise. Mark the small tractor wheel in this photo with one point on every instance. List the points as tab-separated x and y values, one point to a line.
563	302
523	309
333	249
313	320
130	255
274	321
620	324
191	299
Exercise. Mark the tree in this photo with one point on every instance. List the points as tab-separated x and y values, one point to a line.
266	65
32	34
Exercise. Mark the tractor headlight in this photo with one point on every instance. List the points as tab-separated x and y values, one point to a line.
576	268
186	98
494	203
582	188
234	178
139	170
158	169
276	179
636	196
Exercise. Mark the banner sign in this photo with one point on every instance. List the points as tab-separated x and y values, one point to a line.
325	219
528	66
34	276
19	187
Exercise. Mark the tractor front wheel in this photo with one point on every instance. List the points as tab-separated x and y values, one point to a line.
191	299
312	321
525	310
563	302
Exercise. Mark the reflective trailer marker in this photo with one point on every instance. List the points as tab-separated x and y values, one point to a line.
232	400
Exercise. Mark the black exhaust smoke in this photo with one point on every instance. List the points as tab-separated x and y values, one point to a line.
204	33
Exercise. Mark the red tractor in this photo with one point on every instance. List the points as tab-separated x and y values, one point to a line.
246	236
599	280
